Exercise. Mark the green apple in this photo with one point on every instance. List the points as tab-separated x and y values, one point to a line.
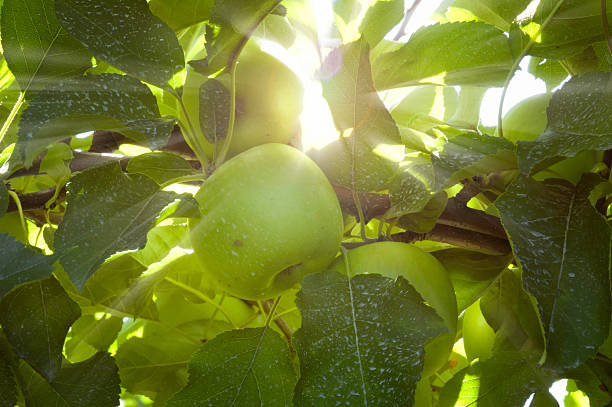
478	336
426	274
528	119
268	100
269	216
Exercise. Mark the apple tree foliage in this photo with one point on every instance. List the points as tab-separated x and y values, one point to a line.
102	299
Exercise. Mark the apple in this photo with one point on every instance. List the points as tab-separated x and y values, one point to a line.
528	119
426	274
268	100
478	336
269	216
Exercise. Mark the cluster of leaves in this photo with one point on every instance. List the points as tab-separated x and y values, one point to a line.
101	297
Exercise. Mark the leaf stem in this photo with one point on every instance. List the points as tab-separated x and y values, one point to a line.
517	61
190	132
203	297
15	197
230	128
11	116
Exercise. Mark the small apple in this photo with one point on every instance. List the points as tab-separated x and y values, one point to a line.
478	336
528	119
268	100
426	274
269	216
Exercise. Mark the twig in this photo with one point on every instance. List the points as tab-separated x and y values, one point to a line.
606	27
402	29
280	323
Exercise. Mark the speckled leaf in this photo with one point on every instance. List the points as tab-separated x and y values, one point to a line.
469	154
180	14
160	166
93	382
215	106
413	188
231	24
471	272
355	105
125	34
425	220
242	368
467	53
567	274
21	264
380	18
37	49
505	380
575	26
108	212
4	199
362	340
96	102
579	118
499	13
35	318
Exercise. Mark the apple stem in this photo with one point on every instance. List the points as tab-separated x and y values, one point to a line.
230	128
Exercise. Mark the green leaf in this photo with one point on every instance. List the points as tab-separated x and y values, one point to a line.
160	166
507	379
579	118
108	212
362	340
215	106
500	13
231	24
543	399
567	274
8	386
380	18
112	279
180	14
549	70
156	364
125	34
469	154
512	313
105	102
438	54
21	264
160	240
471	272
37	49
35	318
575	26
243	368
424	220
90	334
593	378
93	382
4	199
356	107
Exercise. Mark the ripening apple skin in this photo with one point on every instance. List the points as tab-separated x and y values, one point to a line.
269	216
478	336
425	273
268	101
